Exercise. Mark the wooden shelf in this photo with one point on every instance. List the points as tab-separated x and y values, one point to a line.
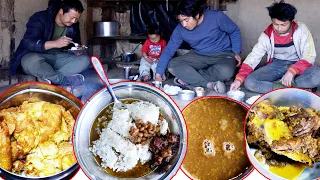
122	37
108	40
109	3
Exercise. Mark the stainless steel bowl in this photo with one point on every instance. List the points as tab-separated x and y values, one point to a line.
236	95
288	97
34	92
106	29
126	90
186	95
200	91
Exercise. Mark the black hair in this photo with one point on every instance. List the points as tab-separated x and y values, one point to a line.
65	5
282	11
71	4
154	29
190	8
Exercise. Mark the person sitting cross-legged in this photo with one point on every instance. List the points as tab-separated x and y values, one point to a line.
291	55
41	51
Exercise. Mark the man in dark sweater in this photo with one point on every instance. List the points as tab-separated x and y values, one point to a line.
216	43
40	52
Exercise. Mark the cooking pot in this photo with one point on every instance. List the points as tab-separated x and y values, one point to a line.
106	29
126	57
34	92
124	90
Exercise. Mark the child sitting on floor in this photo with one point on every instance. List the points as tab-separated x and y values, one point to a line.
151	51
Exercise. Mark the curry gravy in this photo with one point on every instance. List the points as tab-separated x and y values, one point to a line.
220	122
138	171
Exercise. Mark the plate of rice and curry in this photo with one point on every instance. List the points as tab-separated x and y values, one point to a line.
283	136
145	139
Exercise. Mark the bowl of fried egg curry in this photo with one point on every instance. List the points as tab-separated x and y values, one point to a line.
36	123
283	136
215	140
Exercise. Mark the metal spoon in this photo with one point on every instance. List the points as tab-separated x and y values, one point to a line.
100	71
75	44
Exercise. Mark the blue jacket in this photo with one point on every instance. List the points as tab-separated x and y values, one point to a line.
40	29
216	33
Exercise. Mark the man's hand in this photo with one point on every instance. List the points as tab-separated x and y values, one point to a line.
62	42
287	78
235	85
158	77
238	58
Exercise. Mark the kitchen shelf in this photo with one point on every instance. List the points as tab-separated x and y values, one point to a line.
107	40
123	37
108	3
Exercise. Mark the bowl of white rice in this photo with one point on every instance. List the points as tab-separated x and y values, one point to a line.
126	90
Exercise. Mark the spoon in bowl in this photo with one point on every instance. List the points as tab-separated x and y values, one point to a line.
75	44
100	71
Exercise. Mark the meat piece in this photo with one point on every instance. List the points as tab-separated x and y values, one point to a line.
266	110
255	135
166	153
158	144
164	149
287	145
301	149
5	147
306	121
158	160
173	138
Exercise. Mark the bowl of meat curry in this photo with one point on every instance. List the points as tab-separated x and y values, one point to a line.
215	139
36	123
282	134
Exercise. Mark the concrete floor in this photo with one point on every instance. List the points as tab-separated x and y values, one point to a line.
93	84
118	73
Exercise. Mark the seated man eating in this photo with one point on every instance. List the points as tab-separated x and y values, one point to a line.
40	52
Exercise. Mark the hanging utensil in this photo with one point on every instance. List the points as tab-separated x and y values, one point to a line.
136	48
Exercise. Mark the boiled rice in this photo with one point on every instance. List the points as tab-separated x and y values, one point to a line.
145	111
121	122
163	127
108	142
115	150
144	153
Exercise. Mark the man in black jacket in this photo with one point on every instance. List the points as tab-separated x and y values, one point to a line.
48	33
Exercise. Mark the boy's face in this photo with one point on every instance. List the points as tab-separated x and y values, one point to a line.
70	17
188	22
154	38
281	27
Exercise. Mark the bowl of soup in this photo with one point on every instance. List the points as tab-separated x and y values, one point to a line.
215	139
